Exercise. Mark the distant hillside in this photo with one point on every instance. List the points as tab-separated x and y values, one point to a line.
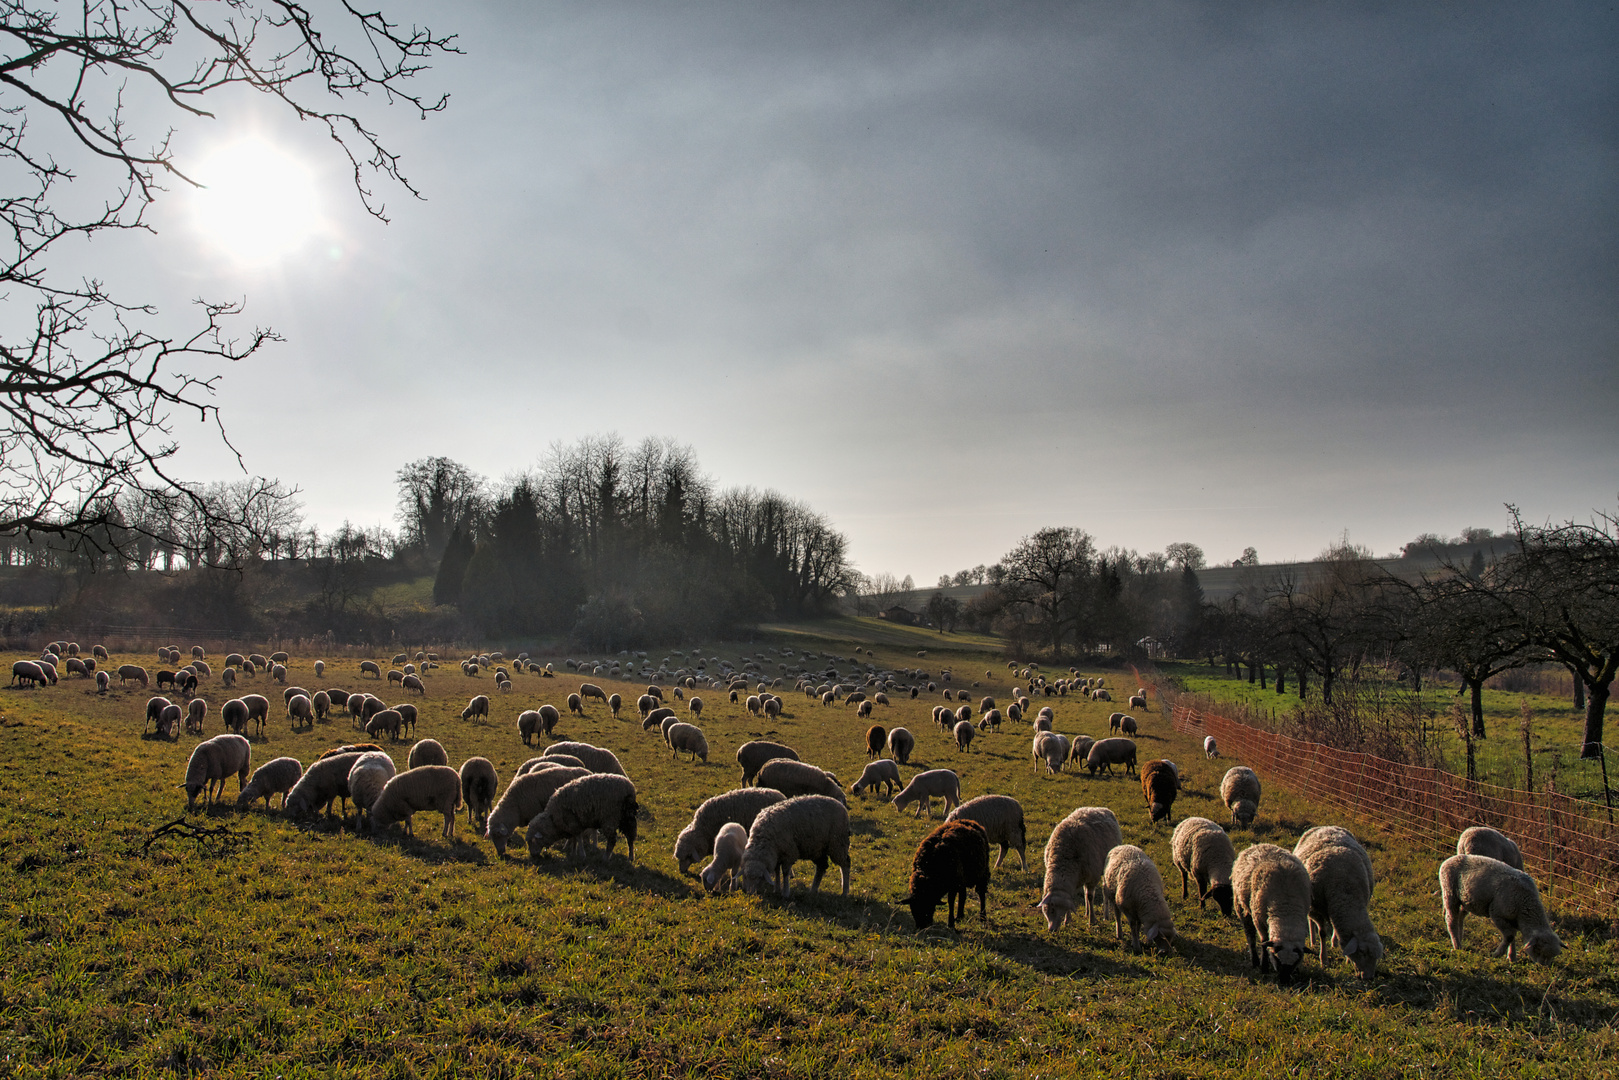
1221	583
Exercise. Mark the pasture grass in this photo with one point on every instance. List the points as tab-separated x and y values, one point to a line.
302	949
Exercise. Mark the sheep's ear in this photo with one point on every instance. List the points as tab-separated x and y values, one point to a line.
1350	946
1152	934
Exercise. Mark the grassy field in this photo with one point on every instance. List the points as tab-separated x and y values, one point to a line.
292	949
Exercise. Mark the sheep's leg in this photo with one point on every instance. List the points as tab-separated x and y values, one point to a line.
843	868
820	871
1508	946
1252	936
999	857
1453	923
1185	891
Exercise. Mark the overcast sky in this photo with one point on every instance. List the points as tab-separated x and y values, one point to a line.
1245	274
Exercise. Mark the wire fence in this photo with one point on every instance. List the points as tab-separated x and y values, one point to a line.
1570	845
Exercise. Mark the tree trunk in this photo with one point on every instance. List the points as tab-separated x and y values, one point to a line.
1579	690
1304	683
1595	707
1477	686
1326	688
1262	685
1281	679
1416	679
1251	666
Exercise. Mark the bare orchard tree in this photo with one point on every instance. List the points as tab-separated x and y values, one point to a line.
437	496
89	96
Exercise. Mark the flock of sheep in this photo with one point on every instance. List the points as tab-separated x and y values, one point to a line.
787	810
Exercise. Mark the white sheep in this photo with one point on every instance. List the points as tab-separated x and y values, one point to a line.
1271	892
1240	791
596	758
1051	748
1480	885
1481	840
324	781
900	744
882	771
729	845
925	787
742	805
604	802
427	752
1076	855
1002	819
964	732
526	797
793	778
812	827
368	776
1203	853
687	739
1211	749
212	762
479	782
426	787
1341	881
1134	889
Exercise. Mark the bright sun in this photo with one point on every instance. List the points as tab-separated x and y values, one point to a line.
258	203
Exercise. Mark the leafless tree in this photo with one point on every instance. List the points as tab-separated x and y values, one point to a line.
89	94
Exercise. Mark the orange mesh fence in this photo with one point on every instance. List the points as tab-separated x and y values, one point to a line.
1568	844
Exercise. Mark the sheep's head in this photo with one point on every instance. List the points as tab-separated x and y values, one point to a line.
1364	953
1542	946
1056	909
923	902
1286	955
1221	894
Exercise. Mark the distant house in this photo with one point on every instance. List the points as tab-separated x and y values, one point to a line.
1152	646
897	614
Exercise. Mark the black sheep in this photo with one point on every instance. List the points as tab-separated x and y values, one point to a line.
949	860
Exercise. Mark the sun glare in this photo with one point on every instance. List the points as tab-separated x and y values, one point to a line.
258	203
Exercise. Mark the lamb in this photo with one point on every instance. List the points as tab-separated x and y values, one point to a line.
1076	855
729	844
793	778
1480	840
479	782
1114	721
103	682
279	673
1480	885
741	806
1341	882
127	674
327	779
596	758
1211	749
1128	725
1160	783
275	777
413	682
591	690
300	710
695	705
1134	889
1106	753
320	668
427	752
1081	749
812	827
196	710
1240	791
951	859
371	666
1203	853
212	762
529	724
368	776
881	771
168	722
601	801
1052	749
576	704
425	787
1271	894
900	743
1138	701
925	786
876	740
525	798
233	714
99	652
990	721
478	706
656	719
154	710
687	739
964	732
1002	819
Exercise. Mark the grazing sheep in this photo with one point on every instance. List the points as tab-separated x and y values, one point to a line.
1134	889
687	739
951	859
339	698
1002	819
576	704
1106	753
525	798
753	755
478	706
597	759
657	718
1481	840
1271	894
1160	783
1138	701
1114	721
1101	695
168	722
695	705
729	846
99	652
900	743
196	710
812	827
275	777
1051	748
772	707
876	740
426	752
211	763
1076	855
479	783
423	787
1341	883
320	668
368	776
154	710
964	732
925	787
1211	749
740	806
793	778
881	771
1203	853
103	682
413	682
601	801
1128	725
227	678
1480	885
591	690
279	673
372	667
322	783
300	710
529	725
645	704
1239	790
127	673
990	721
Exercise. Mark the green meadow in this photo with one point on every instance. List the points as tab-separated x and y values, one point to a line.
262	946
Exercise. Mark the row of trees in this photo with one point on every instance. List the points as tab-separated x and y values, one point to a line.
1553	597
